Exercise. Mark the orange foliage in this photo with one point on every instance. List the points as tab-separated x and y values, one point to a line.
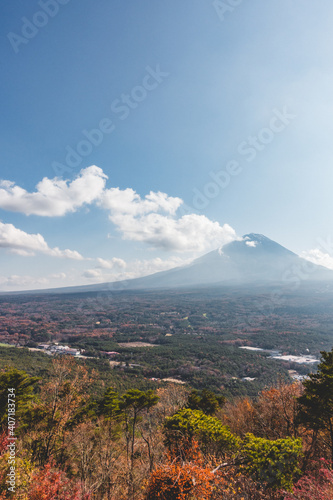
178	480
272	416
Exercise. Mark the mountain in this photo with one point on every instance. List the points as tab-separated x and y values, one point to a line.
254	259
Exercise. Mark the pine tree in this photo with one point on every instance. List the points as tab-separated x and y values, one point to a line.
316	404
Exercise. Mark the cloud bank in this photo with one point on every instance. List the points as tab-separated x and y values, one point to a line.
317	256
17	241
54	197
133	269
151	219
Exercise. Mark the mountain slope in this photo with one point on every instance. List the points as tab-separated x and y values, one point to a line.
253	259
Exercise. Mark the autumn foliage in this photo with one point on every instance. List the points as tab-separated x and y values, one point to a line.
166	445
179	480
50	483
315	486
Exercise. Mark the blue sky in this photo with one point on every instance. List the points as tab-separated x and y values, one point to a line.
162	130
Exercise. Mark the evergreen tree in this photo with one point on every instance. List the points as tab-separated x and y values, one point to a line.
19	387
316	404
205	401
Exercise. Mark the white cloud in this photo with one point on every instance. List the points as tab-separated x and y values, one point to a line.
17	241
27	282
128	202
64	254
150	266
152	219
109	264
60	276
134	269
251	243
317	256
189	233
22	281
92	274
54	197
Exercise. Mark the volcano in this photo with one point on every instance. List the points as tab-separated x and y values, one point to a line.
253	259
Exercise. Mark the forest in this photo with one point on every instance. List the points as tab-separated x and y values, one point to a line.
63	439
144	396
193	336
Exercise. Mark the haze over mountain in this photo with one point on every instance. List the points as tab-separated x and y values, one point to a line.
255	259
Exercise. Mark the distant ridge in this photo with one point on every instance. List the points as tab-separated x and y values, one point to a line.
253	259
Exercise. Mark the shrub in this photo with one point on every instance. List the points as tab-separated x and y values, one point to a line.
273	463
186	425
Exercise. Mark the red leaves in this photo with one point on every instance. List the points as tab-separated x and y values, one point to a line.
50	483
314	487
3	442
